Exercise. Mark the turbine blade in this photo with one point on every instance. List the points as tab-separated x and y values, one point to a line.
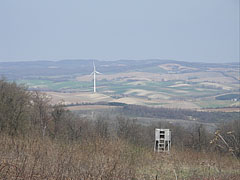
98	72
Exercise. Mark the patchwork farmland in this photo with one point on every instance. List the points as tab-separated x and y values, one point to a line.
157	83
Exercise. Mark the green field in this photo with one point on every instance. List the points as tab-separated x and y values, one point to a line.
56	86
214	103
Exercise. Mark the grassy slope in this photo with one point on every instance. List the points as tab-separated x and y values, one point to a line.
28	158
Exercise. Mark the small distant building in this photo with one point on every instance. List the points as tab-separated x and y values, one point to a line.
162	140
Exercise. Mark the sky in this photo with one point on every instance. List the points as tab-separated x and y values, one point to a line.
184	30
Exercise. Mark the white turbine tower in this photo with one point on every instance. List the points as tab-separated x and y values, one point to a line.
94	77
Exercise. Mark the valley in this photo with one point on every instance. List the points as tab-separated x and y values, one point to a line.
154	83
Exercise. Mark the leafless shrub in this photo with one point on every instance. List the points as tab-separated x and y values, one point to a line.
227	139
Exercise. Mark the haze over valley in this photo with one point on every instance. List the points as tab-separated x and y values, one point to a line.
156	83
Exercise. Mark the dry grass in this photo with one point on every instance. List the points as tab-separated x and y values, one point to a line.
83	97
96	158
46	159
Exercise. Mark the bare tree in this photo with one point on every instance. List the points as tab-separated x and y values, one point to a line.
40	111
227	138
14	107
101	127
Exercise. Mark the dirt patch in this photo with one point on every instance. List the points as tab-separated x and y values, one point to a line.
180	85
170	67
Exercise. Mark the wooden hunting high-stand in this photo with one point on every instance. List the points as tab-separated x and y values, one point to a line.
162	140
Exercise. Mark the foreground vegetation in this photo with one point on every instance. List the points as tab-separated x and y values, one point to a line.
41	141
98	158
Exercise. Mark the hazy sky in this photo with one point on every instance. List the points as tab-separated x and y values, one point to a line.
187	30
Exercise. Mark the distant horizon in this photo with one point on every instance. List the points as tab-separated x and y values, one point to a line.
89	59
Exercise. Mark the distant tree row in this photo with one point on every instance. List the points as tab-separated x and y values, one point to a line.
185	114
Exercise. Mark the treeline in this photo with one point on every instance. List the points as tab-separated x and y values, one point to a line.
96	103
185	114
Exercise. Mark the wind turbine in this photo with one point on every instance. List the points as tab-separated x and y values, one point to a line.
94	77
